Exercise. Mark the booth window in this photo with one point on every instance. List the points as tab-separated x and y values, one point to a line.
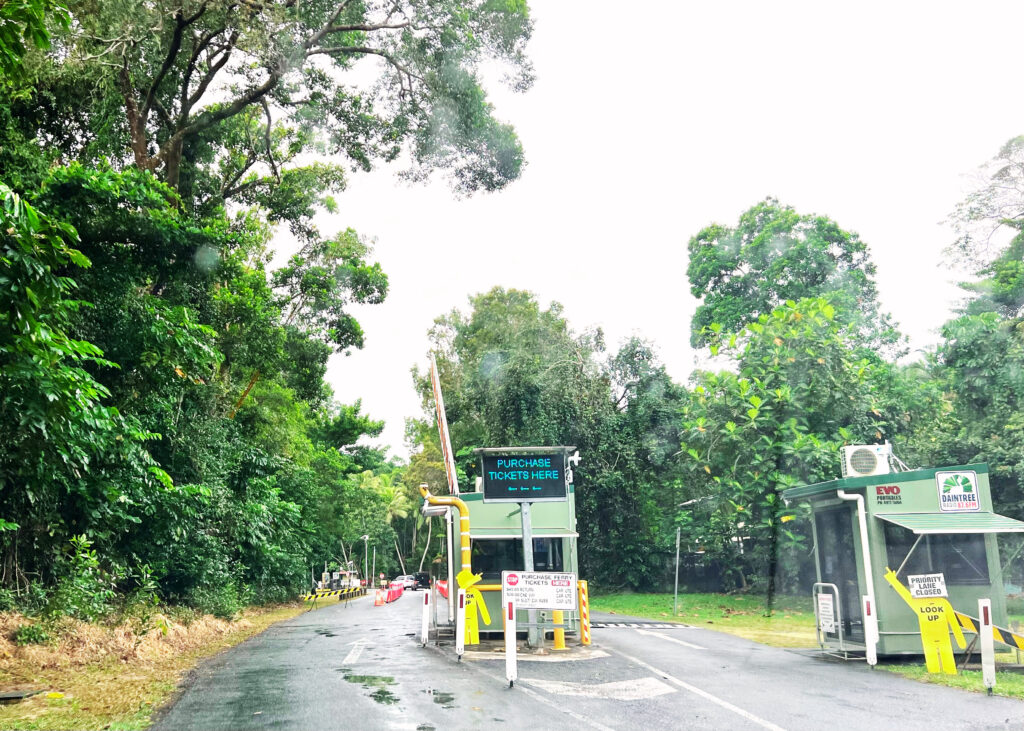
491	556
960	557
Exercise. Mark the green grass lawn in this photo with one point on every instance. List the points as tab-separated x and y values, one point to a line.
791	624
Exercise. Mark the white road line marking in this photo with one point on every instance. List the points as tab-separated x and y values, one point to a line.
355	652
661	636
590	722
618	690
560	707
703	694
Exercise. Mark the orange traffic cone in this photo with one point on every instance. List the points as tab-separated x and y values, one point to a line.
378	601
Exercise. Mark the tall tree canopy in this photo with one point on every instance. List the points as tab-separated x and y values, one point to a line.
775	254
229	101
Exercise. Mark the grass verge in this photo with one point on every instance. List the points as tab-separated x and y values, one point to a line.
103	677
789	624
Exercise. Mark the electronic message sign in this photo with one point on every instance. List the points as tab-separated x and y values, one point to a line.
522	478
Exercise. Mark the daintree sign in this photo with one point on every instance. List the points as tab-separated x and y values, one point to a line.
958	491
539	590
526	477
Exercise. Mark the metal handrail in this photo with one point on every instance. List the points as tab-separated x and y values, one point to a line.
837	608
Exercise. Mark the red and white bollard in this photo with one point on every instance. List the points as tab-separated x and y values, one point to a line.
425	625
870	630
460	625
511	669
985	639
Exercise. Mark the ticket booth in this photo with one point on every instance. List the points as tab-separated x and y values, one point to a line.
934	527
497	521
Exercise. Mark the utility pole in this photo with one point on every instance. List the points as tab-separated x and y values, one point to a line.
366	578
675	601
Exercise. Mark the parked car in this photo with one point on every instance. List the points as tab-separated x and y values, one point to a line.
422	580
408	581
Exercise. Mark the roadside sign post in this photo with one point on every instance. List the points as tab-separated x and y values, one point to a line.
985	639
533	636
460	624
675	598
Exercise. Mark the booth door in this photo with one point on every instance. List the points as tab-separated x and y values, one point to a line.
837	559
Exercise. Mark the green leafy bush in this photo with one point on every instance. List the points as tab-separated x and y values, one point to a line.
31	634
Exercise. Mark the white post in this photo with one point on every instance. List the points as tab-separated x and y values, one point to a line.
988	654
460	624
870	629
425	625
511	670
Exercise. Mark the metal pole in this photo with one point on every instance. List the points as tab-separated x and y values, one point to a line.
449	549
675	600
532	630
366	567
374	572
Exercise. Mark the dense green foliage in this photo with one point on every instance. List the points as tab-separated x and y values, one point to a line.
168	431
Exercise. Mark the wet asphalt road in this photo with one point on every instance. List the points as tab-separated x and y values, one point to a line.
362	667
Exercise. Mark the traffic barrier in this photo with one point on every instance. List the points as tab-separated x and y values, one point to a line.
999	634
442	588
349	593
584	613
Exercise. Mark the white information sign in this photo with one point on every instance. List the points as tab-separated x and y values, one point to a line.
926	586
539	590
826	612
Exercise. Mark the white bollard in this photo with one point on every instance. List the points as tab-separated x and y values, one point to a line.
870	630
460	625
425	625
511	670
988	653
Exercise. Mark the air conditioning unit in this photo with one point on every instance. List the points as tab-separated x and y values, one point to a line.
861	460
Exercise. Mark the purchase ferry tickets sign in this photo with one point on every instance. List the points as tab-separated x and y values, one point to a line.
958	491
539	590
927	586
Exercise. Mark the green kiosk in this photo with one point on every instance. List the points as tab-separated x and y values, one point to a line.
505	508
934	527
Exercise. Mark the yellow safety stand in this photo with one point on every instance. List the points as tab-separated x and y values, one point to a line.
936	618
474	605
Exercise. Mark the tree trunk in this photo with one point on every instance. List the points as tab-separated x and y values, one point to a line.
430	526
398	552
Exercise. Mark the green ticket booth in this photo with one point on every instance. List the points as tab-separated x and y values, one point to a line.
934	527
496	526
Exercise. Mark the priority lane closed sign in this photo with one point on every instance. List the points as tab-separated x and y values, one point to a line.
539	590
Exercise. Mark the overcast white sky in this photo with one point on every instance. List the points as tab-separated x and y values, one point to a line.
649	121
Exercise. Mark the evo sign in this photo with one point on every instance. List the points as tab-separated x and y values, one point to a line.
524	477
539	590
958	491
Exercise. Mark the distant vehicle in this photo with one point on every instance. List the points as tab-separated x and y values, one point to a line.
422	580
408	581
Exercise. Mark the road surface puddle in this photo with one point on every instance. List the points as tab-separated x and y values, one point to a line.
445	700
379	684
